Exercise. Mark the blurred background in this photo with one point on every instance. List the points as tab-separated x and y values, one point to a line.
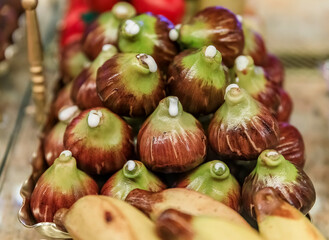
296	31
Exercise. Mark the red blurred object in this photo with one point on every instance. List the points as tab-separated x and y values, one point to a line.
102	5
171	9
73	4
72	26
285	108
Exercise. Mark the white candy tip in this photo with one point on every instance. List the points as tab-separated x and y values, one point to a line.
210	51
131	27
241	62
94	118
107	47
178	26
272	153
259	70
219	165
173	34
120	9
150	62
239	17
229	87
131	165
10	51
67	113
173	106
66	153
237	80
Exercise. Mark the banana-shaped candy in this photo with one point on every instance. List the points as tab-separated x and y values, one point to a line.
102	217
187	201
175	225
278	220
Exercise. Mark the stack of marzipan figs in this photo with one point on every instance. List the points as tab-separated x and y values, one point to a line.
173	132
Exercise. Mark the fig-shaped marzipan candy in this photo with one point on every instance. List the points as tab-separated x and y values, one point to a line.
61	185
100	141
289	181
150	34
198	79
171	140
73	61
84	92
215	180
291	144
252	78
216	26
62	99
130	84
133	175
105	29
53	143
254	44
285	107
274	70
242	127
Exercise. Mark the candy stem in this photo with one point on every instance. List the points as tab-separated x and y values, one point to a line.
233	94
130	28
123	10
65	164
173	106
259	70
66	114
210	51
131	169
178	26
270	158
240	18
107	47
94	118
173	34
242	63
219	170
251	77
147	60
65	156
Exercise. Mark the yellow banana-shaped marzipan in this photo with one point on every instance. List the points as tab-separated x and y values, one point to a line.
278	220
184	200
102	217
175	225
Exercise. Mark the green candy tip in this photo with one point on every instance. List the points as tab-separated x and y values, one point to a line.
233	94
270	158
131	169
219	170
65	156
